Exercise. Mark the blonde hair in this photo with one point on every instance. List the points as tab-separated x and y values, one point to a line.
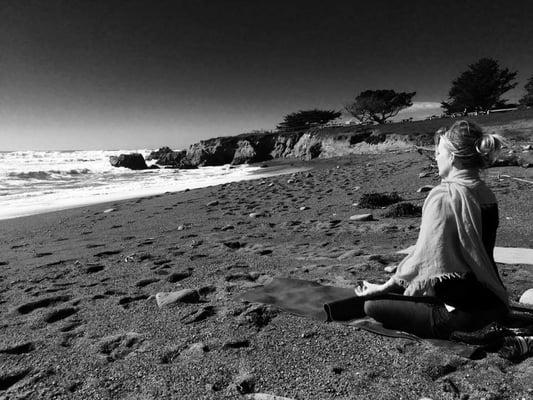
471	146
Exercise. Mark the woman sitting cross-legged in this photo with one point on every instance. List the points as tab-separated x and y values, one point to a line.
449	281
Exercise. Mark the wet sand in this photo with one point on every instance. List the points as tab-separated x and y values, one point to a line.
80	318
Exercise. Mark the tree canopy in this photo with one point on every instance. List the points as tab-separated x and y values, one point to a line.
305	118
527	100
379	105
480	87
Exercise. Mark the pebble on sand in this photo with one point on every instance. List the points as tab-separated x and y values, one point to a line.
212	203
527	297
362	217
390	268
424	189
164	299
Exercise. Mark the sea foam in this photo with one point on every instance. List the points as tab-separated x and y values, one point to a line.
33	182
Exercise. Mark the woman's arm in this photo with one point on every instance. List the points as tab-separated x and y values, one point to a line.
374	289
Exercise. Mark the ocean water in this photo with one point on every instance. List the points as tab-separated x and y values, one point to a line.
33	182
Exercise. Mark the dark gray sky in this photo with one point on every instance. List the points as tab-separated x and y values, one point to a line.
142	74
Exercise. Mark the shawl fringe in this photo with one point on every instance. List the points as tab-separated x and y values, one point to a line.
423	285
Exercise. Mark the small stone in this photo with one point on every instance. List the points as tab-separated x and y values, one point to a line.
212	203
424	189
195	350
527	297
108	210
424	174
256	214
303	208
164	299
290	180
227	228
390	268
362	217
181	227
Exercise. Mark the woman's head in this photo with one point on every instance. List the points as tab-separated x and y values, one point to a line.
465	146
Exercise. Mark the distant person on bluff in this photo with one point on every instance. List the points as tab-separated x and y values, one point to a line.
449	281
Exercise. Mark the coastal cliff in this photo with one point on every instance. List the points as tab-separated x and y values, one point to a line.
335	141
317	142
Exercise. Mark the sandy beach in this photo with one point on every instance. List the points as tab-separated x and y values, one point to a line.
80	319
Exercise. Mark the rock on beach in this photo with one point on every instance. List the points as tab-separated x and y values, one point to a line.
165	299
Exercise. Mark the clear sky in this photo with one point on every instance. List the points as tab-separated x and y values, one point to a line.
110	74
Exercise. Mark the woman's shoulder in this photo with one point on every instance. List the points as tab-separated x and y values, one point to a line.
439	192
438	197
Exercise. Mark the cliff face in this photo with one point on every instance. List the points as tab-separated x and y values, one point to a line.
325	142
314	143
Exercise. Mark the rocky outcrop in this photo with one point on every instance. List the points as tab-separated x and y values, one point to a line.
245	153
159	153
132	161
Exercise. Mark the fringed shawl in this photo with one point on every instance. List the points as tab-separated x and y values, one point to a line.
450	243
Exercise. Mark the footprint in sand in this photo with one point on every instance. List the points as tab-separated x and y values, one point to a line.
57	263
146	282
127	300
117	347
59	314
199	315
177	276
18	348
71	326
91	269
107	253
41	303
10	378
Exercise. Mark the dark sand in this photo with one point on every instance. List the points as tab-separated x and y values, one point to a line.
79	320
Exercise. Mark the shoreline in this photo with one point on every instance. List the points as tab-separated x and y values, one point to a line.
278	169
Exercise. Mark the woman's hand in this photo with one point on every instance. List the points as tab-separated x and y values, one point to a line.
370	289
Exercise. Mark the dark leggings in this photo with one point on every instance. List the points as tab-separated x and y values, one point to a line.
426	316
